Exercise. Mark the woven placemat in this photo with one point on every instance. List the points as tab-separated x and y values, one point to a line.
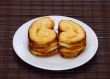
13	13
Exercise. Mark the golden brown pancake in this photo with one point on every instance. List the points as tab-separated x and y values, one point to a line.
71	53
41	31
71	50
42	37
43	53
71	32
47	49
72	38
74	45
43	45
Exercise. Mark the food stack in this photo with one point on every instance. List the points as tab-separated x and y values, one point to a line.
72	38
42	37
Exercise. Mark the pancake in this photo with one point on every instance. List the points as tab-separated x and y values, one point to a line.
70	32
44	54
41	31
46	50
70	46
71	50
43	45
72	53
42	37
72	38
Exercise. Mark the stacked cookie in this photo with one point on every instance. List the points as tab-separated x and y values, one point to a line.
72	38
42	37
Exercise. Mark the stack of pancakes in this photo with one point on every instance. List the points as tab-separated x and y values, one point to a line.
72	38
42	37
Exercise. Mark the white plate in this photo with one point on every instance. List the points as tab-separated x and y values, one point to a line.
20	45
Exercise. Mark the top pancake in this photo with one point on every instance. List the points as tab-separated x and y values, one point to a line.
41	31
70	32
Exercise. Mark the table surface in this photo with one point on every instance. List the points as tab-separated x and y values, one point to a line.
13	13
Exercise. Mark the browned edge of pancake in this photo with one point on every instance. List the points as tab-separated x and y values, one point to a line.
42	45
44	54
30	40
76	45
46	50
70	56
59	31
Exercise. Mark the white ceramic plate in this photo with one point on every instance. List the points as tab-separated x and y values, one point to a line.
20	45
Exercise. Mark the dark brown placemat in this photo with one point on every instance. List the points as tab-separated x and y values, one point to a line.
13	13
